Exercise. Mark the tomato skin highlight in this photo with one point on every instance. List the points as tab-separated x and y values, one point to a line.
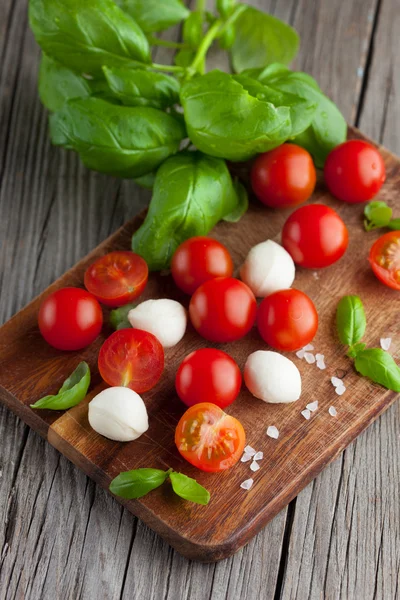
70	319
223	309
354	171
117	278
384	258
208	375
284	176
287	320
197	260
131	358
209	439
315	236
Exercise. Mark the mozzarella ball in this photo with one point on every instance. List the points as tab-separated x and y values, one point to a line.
166	319
272	377
119	414
268	268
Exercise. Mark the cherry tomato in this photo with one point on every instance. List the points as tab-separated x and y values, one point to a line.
199	259
117	278
287	320
284	176
208	374
223	309
384	259
132	358
210	439
70	319
354	171
315	236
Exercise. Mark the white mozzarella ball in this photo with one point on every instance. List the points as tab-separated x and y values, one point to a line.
119	414
164	318
268	268
272	377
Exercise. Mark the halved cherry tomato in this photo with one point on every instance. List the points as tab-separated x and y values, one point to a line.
210	439
223	309
287	320
208	375
117	278
199	259
284	176
70	319
354	171
132	358
384	258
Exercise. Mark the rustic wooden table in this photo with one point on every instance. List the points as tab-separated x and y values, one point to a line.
61	537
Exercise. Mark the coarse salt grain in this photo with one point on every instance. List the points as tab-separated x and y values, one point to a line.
273	432
306	414
308	348
246	485
312	406
321	365
246	457
254	466
249	450
310	358
332	411
300	354
385	343
340	390
336	381
259	456
320	356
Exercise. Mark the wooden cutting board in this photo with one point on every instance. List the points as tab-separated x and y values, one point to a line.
30	369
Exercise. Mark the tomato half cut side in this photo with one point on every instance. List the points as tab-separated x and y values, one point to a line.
117	278
384	258
209	439
131	358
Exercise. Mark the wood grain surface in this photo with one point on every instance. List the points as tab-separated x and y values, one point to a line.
61	536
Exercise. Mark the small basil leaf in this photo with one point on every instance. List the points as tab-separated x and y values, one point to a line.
153	15
87	35
189	489
394	224
379	366
137	483
192	192
225	7
119	316
193	29
73	391
184	57
57	84
227	38
350	320
146	181
242	205
262	39
378	214
119	140
142	88
356	349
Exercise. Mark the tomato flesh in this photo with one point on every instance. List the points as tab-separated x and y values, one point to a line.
384	259
70	319
132	358
284	176
210	439
287	320
208	375
117	278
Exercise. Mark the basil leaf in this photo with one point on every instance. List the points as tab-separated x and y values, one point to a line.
119	140
356	349
394	224
142	88
377	214
153	15
350	320
379	366
184	57
262	39
146	181
57	84
225	7
192	192
137	483
73	391
224	120
242	205
227	38
87	35
193	29
189	489
119	316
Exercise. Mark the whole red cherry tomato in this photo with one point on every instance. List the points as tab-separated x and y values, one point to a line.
284	176
354	171
70	319
315	236
384	258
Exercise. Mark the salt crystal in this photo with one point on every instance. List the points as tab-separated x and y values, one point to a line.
310	358
246	457
249	450
273	432
300	353
312	406
340	390
306	414
259	456
254	466
385	343
332	411
315	275
336	381
320	356
321	365
246	485
308	347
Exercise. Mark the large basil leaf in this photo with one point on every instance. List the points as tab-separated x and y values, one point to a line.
135	87
85	35
192	192
119	140
224	120
57	84
350	320
153	15
379	366
262	39
137	483
72	391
